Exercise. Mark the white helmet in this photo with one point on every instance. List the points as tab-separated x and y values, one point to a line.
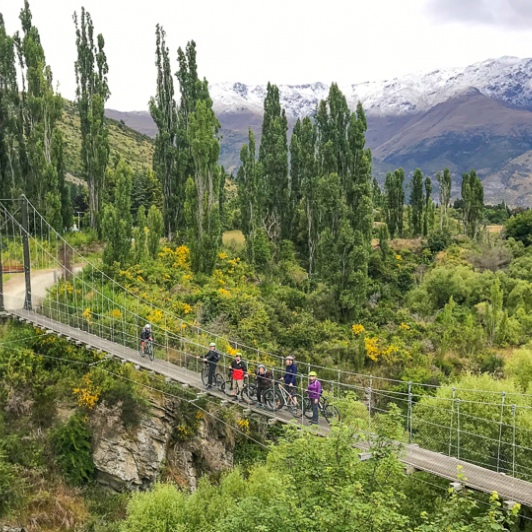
147	326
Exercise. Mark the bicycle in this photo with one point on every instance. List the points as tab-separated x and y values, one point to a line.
218	379
328	411
247	393
277	397
148	349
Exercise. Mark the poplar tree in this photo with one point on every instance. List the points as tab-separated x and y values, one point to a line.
473	203
248	194
9	117
312	197
163	110
445	184
40	110
116	223
394	200
92	92
273	156
417	202
428	210
203	189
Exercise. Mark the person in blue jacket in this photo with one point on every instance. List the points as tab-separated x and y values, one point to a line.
290	382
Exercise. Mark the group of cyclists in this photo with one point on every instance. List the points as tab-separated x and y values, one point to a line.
264	377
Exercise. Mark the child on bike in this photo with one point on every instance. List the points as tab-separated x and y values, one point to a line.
238	371
314	394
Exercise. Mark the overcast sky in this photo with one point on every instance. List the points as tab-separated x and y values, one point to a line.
282	41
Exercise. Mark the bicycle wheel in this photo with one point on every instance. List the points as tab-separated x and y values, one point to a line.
245	396
219	381
273	399
151	351
307	408
331	413
205	376
252	390
227	387
295	406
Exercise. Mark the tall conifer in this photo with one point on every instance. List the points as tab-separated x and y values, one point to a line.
92	92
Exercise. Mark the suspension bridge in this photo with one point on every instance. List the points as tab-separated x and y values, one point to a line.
483	444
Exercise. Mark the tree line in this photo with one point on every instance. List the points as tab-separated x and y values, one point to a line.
311	198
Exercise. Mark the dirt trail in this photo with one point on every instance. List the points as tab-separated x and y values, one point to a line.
41	280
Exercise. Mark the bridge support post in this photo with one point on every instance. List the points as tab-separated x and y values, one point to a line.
26	250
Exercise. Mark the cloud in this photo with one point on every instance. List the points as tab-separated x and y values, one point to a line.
514	14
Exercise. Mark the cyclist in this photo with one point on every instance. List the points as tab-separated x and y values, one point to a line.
238	371
264	381
212	358
314	394
290	382
145	335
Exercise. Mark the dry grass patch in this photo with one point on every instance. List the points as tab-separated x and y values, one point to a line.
234	239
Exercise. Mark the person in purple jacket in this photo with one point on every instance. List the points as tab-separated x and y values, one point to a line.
314	394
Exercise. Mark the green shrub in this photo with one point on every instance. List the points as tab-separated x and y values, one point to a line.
132	405
72	444
11	486
438	241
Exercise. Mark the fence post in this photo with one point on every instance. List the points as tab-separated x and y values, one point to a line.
409	418
370	400
27	259
451	423
503	396
513	440
458	426
338	386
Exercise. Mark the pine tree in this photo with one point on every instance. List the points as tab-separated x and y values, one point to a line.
273	156
41	108
445	184
163	110
473	203
417	203
92	92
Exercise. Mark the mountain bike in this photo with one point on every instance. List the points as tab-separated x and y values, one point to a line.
277	397
148	350
248	393
328	411
218	378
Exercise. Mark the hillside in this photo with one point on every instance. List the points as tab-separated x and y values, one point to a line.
133	146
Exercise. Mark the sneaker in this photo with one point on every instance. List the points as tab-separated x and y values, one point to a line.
209	387
235	398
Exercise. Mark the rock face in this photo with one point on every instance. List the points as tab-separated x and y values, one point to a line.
132	459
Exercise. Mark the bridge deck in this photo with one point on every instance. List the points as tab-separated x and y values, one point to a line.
475	477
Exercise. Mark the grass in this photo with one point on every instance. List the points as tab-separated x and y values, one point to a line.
234	239
134	147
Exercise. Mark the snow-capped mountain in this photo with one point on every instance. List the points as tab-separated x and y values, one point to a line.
461	118
508	79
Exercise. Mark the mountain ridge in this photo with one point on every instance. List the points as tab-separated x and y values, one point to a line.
477	116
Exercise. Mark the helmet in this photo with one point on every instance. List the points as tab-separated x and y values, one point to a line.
289	357
238	355
212	344
261	366
312	374
147	326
